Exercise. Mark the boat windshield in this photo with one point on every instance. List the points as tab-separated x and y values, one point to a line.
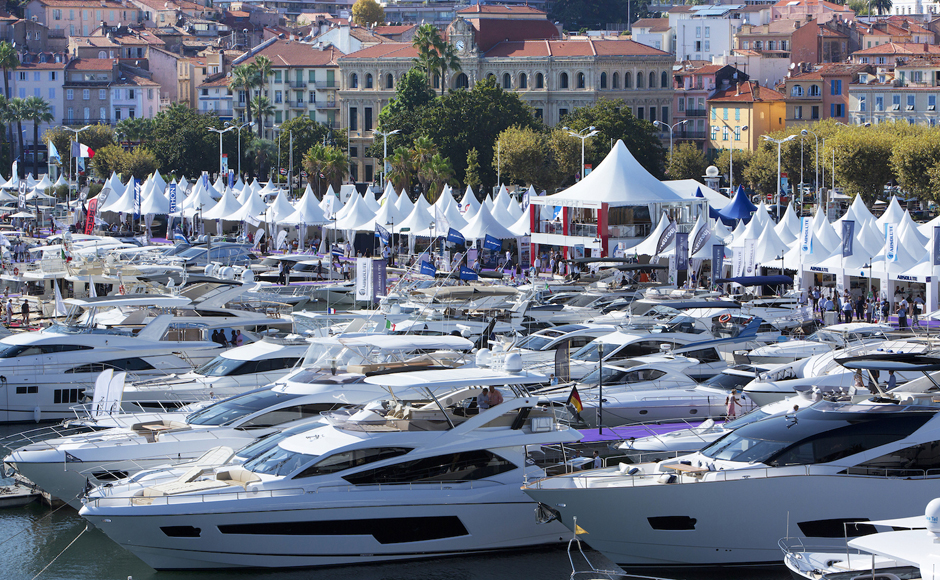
813	436
325	355
219	367
266	443
534	342
611	375
826	337
224	412
278	461
682	323
729	381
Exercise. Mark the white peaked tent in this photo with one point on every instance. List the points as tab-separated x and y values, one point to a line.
513	210
927	228
183	186
501	214
770	248
356	215
225	207
370	200
648	246
502	197
523	226
892	214
404	205
119	200
738	233
387	217
820	252
244	193
154	202
158	180
450	212
482	225
269	187
752	231
762	215
469	204
902	266
239	184
826	233
908	233
341	212
418	220
387	192
30	181
280	209
488	202
58	182
308	211
199	198
788	229
220	184
250	210
325	202
858	212
720	231
43	183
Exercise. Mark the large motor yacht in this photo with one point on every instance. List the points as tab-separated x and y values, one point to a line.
799	475
387	482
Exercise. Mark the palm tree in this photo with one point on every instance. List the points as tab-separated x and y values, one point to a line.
450	61
440	171
421	155
401	173
244	77
262	150
9	61
314	162
882	6
428	41
263	109
336	167
37	111
262	68
17	110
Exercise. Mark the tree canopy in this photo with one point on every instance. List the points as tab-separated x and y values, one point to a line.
368	12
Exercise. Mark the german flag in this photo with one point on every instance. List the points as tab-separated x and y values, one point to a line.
574	399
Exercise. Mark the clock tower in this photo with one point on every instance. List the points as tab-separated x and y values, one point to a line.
461	35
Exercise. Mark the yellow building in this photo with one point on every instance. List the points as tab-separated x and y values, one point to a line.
741	114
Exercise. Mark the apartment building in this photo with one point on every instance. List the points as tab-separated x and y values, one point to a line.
80	17
821	93
694	84
741	114
908	93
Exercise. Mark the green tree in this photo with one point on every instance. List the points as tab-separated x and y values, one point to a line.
140	162
182	144
61	138
402	171
440	171
9	61
17	111
882	6
328	160
522	158
96	137
430	45
912	160
38	111
761	170
472	173
687	162
741	158
578	15
613	120
306	133
403	112
448	61
566	158
368	12
244	78
421	155
861	161
135	129
262	153
263	109
108	160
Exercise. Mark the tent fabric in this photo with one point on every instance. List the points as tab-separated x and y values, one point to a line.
740	207
308	211
523	225
469	204
370	200
618	180
689	189
43	183
826	233
280	209
404	204
908	233
418	220
502	197
387	217
762	215
647	247
788	229
226	206
927	228
60	181
738	233
451	213
794	258
119	202
752	230
720	230
483	224
250	209
892	214
513	210
154	202
770	248
756	280
357	215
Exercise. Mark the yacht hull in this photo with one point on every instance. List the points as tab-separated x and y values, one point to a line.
351	526
728	522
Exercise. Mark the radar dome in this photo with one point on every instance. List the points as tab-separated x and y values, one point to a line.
513	363
932	514
712	171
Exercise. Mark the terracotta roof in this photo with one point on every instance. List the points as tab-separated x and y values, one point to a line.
490	32
393	29
365	35
82	4
216	80
825	31
91	64
132	79
498	9
172	5
894	48
750	93
824	3
775	27
385	50
912	25
562	48
677	10
654	24
93	41
41	66
698	67
292	53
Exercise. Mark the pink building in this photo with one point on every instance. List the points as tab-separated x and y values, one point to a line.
820	10
694	84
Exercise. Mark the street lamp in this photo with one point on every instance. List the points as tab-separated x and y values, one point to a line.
779	143
220	132
671	128
731	164
803	133
239	128
591	131
68	196
385	148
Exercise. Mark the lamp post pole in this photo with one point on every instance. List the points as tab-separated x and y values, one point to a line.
220	132
815	136
671	129
385	148
779	143
239	129
68	195
583	135
731	165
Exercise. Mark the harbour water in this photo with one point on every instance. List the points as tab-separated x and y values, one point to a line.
38	536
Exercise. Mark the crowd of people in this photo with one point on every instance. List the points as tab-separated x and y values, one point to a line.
870	308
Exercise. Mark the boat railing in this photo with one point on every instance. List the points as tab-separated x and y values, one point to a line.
106	472
409	486
194	498
40	434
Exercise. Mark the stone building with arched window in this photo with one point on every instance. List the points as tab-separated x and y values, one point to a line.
554	75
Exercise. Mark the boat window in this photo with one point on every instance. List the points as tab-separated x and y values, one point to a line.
905	462
219	367
634	349
813	436
118	364
685	324
534	342
226	367
727	381
287	414
702	355
643	375
611	375
278	461
267	442
33	350
465	466
228	410
349	459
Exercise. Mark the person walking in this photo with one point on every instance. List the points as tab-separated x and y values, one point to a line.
847	311
24	311
902	316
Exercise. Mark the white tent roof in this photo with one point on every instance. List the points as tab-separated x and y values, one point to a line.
183	185
199	197
219	184
252	207
154	202
225	207
357	215
820	252
720	230
908	233
825	232
484	224
523	226
44	183
387	217
308	211
752	230
450	211
119	202
762	215
244	193
738	232
892	214
927	228
648	246
514	210
280	209
404	204
389	189
685	188
501	214
341	212
502	197
858	212
469	204
770	247
370	200
418	220
38	194
58	182
158	180
619	180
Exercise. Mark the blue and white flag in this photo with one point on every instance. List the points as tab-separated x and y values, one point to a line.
172	188
382	234
178	235
427	269
136	197
54	154
666	238
455	237
682	252
806	236
338	252
848	233
468	274
891	243
718	261
491	243
231	178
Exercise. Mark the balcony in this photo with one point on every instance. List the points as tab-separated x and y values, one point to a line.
82	122
693	113
326	85
295	84
326	105
689	135
297	105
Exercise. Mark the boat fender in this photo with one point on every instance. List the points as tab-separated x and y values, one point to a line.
121	289
37	413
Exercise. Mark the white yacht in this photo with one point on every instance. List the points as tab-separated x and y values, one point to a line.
541	346
389	482
800	475
837	336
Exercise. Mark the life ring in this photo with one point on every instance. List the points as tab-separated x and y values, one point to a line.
724	318
121	289
16	271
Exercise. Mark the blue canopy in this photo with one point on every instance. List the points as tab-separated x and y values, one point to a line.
740	207
712	212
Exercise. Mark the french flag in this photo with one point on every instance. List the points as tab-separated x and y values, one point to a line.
80	150
331	311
